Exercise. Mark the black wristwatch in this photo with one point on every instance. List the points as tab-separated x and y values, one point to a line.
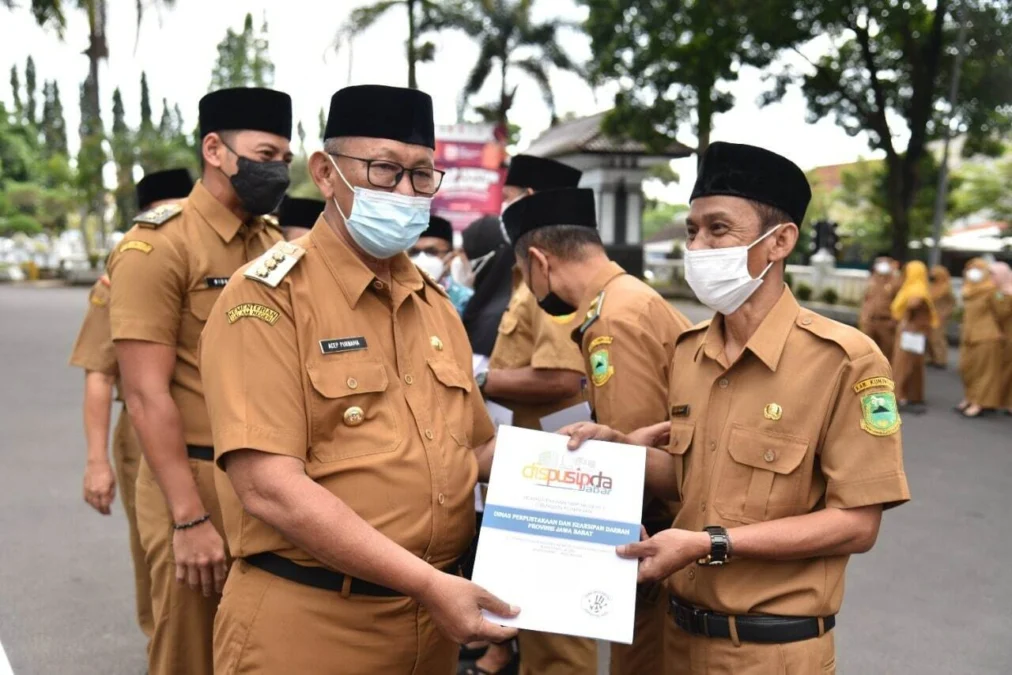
481	378
720	547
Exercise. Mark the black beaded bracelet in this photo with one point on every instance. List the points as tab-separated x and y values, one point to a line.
193	523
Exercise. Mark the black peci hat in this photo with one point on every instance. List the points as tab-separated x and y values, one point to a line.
376	111
160	185
569	206
538	173
296	212
439	228
753	173
246	108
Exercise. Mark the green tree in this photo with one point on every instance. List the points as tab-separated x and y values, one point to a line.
509	40
146	123
124	155
19	107
243	58
30	89
885	68
421	14
673	59
53	127
985	189
91	158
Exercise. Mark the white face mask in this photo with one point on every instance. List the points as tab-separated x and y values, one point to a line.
430	264
884	268
974	275
720	278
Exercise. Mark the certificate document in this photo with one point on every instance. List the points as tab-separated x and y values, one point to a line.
553	518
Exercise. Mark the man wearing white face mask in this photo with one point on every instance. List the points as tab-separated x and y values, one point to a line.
432	253
783	442
348	424
876	319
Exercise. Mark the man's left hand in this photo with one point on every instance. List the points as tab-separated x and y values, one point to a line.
666	552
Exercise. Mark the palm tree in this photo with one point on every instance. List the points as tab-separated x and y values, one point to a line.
509	39
420	13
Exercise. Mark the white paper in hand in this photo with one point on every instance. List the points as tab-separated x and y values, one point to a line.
915	343
563	418
552	521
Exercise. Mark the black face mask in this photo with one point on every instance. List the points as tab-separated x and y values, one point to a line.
551	303
260	186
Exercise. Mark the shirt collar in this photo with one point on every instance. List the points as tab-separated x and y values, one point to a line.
767	343
352	275
214	213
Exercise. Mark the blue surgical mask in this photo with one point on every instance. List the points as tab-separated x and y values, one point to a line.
384	224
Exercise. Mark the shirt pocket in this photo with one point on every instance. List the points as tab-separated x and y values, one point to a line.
508	324
199	305
680	441
352	414
761	478
453	390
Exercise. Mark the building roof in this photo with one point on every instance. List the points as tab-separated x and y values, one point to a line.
584	135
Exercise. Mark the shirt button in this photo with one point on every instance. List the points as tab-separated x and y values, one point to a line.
713	445
692	574
428	434
806	321
352	383
441	498
769	455
409	379
378	285
723	383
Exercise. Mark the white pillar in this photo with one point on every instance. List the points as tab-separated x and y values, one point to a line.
634	216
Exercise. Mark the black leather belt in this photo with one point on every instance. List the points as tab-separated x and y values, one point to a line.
323	578
751	628
201	452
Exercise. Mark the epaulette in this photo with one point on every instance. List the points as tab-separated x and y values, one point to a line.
105	280
433	283
693	330
272	266
272	221
852	341
158	216
593	314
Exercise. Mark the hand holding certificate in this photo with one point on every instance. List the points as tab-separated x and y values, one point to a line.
553	518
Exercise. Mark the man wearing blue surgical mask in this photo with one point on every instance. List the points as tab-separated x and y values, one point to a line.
782	441
348	423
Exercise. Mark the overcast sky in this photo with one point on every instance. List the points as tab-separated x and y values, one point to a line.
177	49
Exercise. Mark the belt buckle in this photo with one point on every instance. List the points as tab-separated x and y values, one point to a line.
698	622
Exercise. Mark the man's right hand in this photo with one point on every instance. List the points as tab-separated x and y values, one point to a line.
99	485
581	432
455	605
200	558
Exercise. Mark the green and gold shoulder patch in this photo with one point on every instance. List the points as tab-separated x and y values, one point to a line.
880	415
601	369
872	382
254	311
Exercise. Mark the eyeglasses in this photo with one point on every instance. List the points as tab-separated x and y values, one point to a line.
434	251
385	174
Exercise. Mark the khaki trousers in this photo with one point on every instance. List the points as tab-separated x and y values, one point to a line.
551	654
184	619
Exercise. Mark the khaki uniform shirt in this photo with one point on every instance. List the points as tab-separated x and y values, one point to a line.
878	297
805	419
370	385
529	336
981	318
167	278
93	350
628	341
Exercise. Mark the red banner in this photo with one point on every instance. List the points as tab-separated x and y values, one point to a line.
472	156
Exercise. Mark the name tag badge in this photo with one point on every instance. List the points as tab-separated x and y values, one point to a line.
340	345
216	282
680	411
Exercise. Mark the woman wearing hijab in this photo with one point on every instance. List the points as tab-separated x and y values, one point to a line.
491	261
980	345
1002	275
945	302
915	313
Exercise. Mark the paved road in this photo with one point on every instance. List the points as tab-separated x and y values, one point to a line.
931	599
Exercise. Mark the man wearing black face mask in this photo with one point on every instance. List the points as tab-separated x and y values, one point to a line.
169	270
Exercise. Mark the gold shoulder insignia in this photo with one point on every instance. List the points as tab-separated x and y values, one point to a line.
272	266
432	282
272	221
136	245
158	216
